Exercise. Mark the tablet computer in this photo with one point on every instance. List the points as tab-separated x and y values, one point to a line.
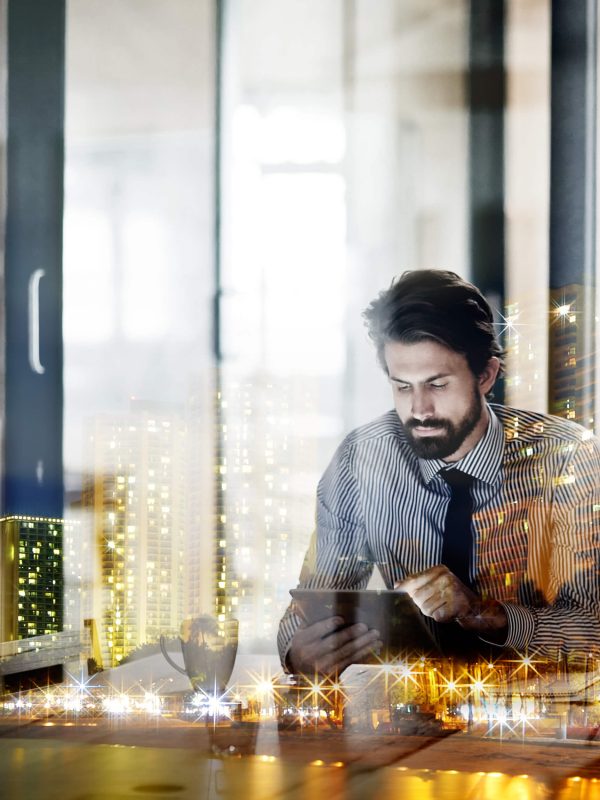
402	627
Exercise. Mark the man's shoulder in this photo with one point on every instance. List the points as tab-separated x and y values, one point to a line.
522	425
385	427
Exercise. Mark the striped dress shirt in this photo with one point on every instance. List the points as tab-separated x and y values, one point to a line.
535	524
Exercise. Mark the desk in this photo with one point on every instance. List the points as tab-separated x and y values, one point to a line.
173	761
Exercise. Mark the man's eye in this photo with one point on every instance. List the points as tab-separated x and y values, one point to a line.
401	388
438	385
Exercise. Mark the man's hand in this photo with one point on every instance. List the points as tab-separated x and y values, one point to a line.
325	648
438	593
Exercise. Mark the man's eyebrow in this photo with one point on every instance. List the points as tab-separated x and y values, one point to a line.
435	377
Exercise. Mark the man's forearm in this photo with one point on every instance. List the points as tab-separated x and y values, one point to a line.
554	631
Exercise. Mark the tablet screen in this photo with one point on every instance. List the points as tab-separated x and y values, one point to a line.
402	627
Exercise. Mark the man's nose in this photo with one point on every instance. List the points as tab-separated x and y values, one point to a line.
422	407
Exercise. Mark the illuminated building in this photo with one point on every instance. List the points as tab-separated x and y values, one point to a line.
523	333
571	386
566	359
200	499
137	496
32	577
77	569
267	475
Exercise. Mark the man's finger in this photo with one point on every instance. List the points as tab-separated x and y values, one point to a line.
338	638
368	650
416	582
432	604
442	614
319	630
356	645
421	578
330	661
355	658
412	585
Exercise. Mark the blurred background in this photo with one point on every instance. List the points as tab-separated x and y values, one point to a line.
199	198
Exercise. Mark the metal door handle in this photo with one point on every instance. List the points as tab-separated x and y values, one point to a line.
34	322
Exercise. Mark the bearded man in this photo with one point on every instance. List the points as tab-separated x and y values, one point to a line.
487	516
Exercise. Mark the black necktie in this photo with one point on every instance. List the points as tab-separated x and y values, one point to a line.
457	546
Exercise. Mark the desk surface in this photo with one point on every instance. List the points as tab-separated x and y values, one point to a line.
171	760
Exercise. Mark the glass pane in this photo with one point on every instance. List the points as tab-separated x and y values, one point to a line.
138	286
344	163
527	122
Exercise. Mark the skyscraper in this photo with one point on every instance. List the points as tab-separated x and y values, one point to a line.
31	568
137	495
572	376
268	471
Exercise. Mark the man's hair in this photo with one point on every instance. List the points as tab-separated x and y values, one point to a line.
436	305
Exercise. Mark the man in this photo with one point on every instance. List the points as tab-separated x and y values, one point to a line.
488	517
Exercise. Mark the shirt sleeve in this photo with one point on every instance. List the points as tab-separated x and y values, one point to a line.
569	624
338	556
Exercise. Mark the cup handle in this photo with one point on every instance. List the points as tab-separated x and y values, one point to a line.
163	650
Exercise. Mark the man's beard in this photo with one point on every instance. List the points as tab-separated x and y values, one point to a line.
447	443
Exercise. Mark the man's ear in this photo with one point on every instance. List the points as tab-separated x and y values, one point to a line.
487	378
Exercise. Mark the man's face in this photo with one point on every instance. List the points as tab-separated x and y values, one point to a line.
439	401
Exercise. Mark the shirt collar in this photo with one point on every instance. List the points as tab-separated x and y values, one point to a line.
482	462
